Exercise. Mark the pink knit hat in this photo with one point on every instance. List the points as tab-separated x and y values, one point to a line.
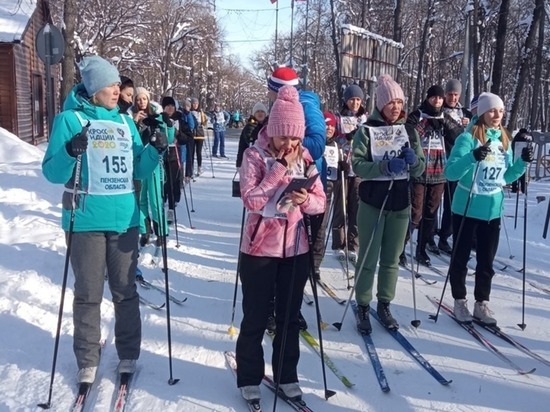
287	115
282	76
386	91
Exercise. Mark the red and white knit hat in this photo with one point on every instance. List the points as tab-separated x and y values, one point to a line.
282	76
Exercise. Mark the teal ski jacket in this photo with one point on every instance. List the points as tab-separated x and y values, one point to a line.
112	212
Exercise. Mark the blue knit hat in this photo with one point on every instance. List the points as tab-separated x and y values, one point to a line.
97	73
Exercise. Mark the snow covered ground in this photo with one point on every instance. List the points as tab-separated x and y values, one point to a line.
202	268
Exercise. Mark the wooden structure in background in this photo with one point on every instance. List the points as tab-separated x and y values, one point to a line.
22	73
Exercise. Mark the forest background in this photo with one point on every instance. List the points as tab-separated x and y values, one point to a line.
178	48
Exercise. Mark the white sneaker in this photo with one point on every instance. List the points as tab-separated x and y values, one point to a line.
352	256
127	366
483	314
461	311
251	393
340	254
86	375
170	216
291	390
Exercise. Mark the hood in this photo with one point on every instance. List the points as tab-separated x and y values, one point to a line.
78	100
308	97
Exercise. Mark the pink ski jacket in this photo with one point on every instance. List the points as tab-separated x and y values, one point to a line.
273	236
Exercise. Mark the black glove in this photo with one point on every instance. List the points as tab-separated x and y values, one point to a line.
344	166
527	154
159	141
177	115
151	121
482	151
79	143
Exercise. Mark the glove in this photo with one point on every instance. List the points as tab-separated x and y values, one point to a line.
527	154
159	141
482	151
79	143
396	166
408	155
151	121
344	166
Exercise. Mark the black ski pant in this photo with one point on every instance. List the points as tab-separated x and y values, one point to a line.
339	220
262	278
446	229
320	237
190	157
172	186
487	234
198	149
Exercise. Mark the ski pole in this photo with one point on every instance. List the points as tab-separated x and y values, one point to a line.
307	224
171	189
287	313
522	325
330	217
346	248
511	256
209	149
232	330
187	207
48	404
338	325
415	322
191	196
517	205
162	232
456	243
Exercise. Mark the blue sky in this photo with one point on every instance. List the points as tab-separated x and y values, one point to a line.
249	23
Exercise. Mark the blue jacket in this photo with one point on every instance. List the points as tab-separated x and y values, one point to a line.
113	212
316	129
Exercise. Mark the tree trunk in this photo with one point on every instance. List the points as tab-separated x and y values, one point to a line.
397	20
536	104
524	63
428	24
475	49
334	38
68	63
500	46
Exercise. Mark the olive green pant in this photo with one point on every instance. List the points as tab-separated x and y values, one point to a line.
387	243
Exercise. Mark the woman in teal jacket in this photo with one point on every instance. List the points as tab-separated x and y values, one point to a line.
482	162
105	230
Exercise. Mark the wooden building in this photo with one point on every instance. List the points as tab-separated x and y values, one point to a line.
22	74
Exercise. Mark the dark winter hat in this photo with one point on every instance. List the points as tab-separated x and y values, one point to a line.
167	101
453	86
194	100
282	76
97	73
125	82
353	91
435	90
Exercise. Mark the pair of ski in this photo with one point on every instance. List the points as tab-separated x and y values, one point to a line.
254	405
417	274
404	342
148	285
85	395
495	330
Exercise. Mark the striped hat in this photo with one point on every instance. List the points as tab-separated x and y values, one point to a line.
282	76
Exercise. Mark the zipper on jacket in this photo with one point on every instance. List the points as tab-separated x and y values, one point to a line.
255	230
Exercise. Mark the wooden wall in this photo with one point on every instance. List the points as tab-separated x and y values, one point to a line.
16	74
7	93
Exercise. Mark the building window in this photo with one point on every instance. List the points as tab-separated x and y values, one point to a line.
37	105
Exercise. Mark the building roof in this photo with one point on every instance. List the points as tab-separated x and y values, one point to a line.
14	18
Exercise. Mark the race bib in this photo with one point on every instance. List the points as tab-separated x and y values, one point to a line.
348	124
110	157
331	157
490	175
385	144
